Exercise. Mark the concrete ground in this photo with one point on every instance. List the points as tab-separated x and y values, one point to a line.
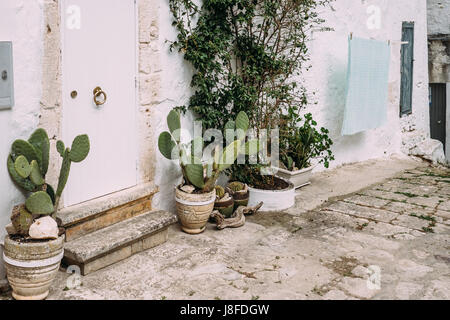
373	230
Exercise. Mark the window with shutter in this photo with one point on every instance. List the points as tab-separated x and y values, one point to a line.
407	68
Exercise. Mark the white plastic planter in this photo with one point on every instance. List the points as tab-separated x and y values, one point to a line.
274	200
299	178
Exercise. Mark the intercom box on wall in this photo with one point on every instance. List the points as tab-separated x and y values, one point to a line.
6	75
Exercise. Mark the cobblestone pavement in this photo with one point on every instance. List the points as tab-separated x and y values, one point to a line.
389	241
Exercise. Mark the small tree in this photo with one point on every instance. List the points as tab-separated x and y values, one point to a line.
246	55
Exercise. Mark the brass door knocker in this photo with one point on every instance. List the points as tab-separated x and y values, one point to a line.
98	93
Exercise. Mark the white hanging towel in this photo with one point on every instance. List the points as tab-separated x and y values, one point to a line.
367	85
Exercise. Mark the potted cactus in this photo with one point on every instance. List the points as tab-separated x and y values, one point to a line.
196	196
34	245
224	202
240	193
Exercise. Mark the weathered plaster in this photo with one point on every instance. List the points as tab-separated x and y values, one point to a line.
439	58
438	17
51	100
327	77
20	22
175	91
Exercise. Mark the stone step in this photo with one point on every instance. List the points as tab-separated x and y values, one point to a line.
112	244
102	212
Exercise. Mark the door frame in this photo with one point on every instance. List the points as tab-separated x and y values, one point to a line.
444	88
148	72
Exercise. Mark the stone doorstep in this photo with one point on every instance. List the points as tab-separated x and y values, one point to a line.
99	213
112	244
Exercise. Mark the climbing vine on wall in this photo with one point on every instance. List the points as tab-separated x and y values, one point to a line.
245	54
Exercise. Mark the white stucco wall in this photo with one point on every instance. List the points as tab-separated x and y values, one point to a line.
329	57
175	85
329	52
438	17
20	22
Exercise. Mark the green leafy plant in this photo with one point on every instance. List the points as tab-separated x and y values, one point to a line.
247	56
198	171
301	143
28	164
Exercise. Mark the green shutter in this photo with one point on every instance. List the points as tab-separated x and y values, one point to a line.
407	68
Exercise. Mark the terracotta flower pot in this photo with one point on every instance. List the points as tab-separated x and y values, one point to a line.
241	198
32	267
226	207
194	210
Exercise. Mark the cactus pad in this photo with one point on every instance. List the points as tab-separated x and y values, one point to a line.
22	167
21	220
60	147
39	203
194	173
80	148
39	140
26	184
167	145
51	192
229	155
220	192
230	125
174	124
64	173
35	175
236	186
24	148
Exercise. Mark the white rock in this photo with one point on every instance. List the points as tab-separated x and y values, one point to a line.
361	272
430	149
44	228
10	229
188	189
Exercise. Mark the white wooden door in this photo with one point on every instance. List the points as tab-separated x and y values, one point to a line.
99	50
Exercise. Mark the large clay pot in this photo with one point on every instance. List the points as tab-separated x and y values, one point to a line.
32	267
194	210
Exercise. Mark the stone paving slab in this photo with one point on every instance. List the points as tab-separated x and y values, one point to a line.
370	244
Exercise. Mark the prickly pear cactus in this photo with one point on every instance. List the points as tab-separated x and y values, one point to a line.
21	220
24	183
29	160
35	174
220	192
202	176
236	186
80	148
194	173
22	167
60	147
64	173
166	146
174	124
79	151
39	140
39	203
